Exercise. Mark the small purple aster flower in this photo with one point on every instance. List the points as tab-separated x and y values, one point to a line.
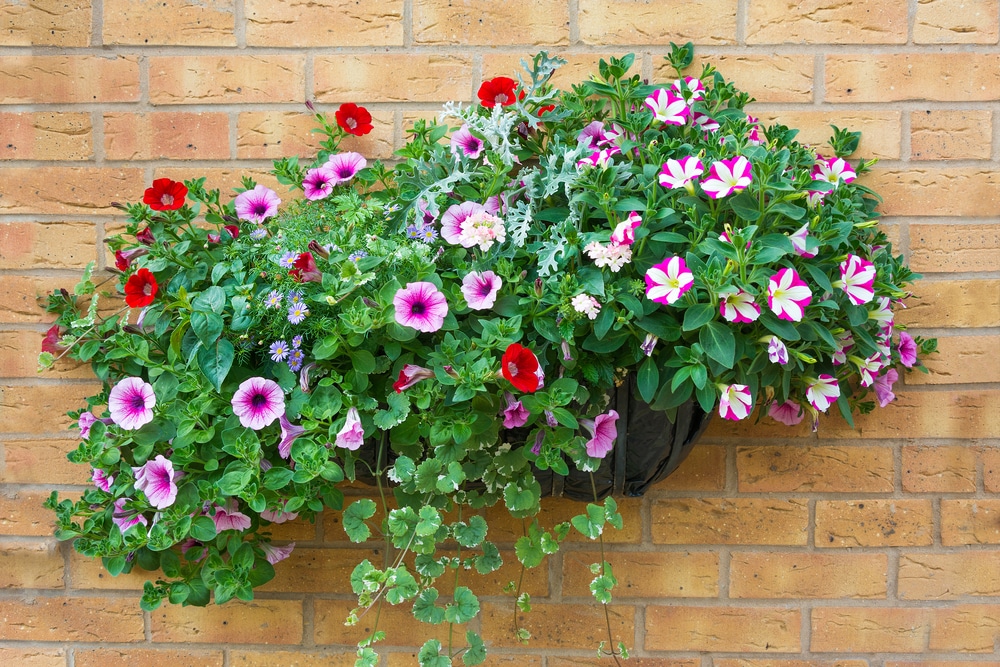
297	341
257	205
279	350
131	403
295	359
428	234
297	313
156	480
258	402
294	297
318	183
413	231
465	143
258	233
421	306
273	299
287	260
355	256
345	166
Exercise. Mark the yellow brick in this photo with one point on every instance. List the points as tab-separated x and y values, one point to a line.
89	573
970	628
723	629
746	662
771	78
953	304
513	22
129	657
926	414
949	576
60	136
897	77
45	23
23	298
826	22
784	468
41	409
961	359
257	622
298	658
238	79
880	130
30	656
956	22
625	22
276	134
941	134
68	79
19	358
31	565
170	135
970	522
393	78
63	619
645	574
918	192
990	457
869	629
145	22
47	245
557	625
703	470
730	521
41	462
324	23
954	247
945	469
807	575
873	523
74	190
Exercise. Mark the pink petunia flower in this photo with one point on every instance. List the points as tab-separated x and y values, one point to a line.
776	351
102	480
788	413
738	306
907	349
85	421
689	88
798	240
289	432
279	515
257	205
603	433
735	402
156	480
592	136
352	435
788	295
514	415
420	306
822	392
131	403
669	280
125	519
465	143
480	289
883	387
727	176
228	517
258	402
410	375
857	276
667	107
624	232
681	173
845	341
275	554
318	183
345	166
601	158
834	170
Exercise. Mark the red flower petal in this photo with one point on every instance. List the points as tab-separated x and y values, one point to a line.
140	289
499	90
519	366
51	341
354	119
165	195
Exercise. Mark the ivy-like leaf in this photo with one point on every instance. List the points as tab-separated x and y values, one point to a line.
354	519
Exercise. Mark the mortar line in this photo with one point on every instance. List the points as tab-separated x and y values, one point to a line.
573	8
741	22
407	24
240	24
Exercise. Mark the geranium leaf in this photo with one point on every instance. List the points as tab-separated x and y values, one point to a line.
354	518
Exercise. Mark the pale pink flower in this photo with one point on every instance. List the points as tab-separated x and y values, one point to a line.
586	305
883	387
788	413
318	183
452	219
258	402
613	255
257	205
410	375
680	173
279	515
289	432
480	289
465	143
481	229
275	554
592	136
667	107
857	276
421	306
603	432
345	166
352	435
788	295
514	415
727	176
776	351
156	480
228	517
131	403
102	480
735	402
669	280
125	519
822	392
624	233
834	170
738	306
85	421
907	349
798	240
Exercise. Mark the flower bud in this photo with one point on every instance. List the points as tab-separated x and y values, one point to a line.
538	285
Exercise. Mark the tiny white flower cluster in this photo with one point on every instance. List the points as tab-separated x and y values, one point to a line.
586	304
613	256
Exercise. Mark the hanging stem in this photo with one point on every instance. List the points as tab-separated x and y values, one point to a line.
607	615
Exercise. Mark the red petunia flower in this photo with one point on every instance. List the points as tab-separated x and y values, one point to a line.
305	270
547	108
165	195
51	341
499	90
354	119
145	237
232	230
140	290
520	366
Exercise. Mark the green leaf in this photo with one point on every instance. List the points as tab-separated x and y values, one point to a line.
783	328
648	380
354	519
719	343
602	585
425	610
476	653
203	529
367	657
430	521
697	315
591	524
605	319
363	361
277	478
788	210
745	206
528	552
237	477
489	560
464	608
430	655
361	581
471	534
215	360
207	326
772	247
820	277
401	586
326	348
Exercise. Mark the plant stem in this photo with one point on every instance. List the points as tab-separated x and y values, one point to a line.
604	570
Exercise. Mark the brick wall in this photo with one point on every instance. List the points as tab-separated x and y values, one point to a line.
771	547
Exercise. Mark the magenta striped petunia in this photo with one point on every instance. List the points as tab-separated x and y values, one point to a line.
258	402
788	295
131	403
156	480
421	306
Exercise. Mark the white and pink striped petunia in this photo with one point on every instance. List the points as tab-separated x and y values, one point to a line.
868	368
681	173
667	107
776	351
834	170
735	402
600	159
624	233
727	176
822	392
798	240
788	295
736	305
669	280
857	277
689	88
